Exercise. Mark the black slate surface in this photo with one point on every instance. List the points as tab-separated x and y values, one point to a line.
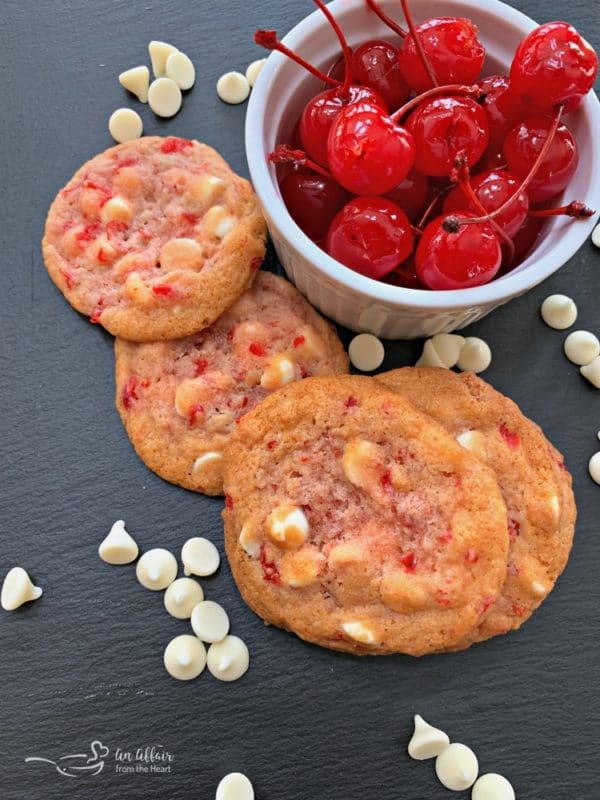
85	662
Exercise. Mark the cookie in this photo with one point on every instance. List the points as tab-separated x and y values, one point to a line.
154	238
180	399
531	475
357	522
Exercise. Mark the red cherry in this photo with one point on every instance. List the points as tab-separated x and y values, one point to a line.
524	242
493	189
471	256
452	48
553	65
371	235
313	200
405	275
502	108
375	64
524	143
322	110
368	154
444	127
411	194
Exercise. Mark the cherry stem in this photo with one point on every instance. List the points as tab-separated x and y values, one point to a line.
343	42
269	41
286	154
576	210
413	32
452	223
384	18
451	89
427	213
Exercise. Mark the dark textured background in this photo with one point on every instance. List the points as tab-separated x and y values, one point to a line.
85	661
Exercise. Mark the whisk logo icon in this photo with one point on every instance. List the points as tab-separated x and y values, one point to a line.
77	765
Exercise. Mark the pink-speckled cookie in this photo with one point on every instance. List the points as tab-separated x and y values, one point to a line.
179	400
154	238
535	486
358	522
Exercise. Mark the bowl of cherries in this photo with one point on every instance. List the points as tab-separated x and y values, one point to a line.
421	162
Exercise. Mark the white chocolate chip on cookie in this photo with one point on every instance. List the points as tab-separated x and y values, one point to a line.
287	526
473	441
249	541
280	369
206	460
218	222
117	209
204	190
181	254
359	632
360	461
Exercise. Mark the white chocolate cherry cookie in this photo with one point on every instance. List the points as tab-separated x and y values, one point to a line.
154	238
358	523
180	400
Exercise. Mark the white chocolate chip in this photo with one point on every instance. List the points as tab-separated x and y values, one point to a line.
594	467
359	632
185	657
280	369
204	190
429	357
199	557
182	596
181	253
596	236
538	588
18	588
205	460
233	88
117	208
591	371
118	547
426	741
287	526
492	787
156	569
254	69
457	767
249	542
125	124
136	290
366	352
136	80
209	621
475	355
558	311
235	786
180	69
159	52
448	347
164	97
218	222
582	347
229	659
473	441
554	503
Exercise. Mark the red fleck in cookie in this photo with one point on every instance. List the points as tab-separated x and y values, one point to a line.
179	400
531	475
154	238
358	522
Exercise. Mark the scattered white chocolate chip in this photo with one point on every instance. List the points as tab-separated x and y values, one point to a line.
199	557
426	741
228	660
205	460
156	569
164	97
287	526
447	347
233	88
180	69
136	80
235	786
475	355
366	352
159	53
457	767
17	589
591	371
185	657
596	236
280	369
582	347
254	69
209	621
429	356
359	632
118	547
492	787
125	124
116	208
594	467
182	596
558	311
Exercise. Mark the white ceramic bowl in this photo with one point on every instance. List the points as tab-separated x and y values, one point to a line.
351	299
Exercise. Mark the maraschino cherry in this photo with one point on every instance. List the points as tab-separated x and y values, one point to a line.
411	194
313	200
375	64
492	189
